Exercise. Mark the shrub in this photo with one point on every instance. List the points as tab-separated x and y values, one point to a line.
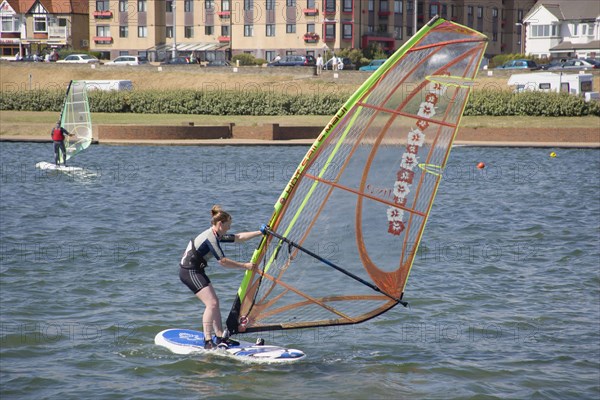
254	102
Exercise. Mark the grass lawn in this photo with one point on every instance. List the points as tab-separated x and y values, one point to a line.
28	123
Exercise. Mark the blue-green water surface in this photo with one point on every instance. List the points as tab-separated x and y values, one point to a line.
504	293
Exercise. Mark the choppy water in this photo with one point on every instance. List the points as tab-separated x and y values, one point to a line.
504	295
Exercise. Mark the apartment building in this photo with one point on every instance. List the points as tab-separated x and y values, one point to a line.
35	26
264	28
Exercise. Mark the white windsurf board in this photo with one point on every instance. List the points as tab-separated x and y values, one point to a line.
187	341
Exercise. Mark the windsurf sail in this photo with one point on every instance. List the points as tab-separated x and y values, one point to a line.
76	119
346	229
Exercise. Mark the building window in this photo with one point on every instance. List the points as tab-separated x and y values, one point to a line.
188	6
10	24
384	6
398	6
270	5
270	55
290	3
248	4
347	6
169	6
290	28
188	32
103	30
330	31
433	10
142	31
270	31
123	31
310	28
209	30
494	36
346	31
209	4
398	32
470	10
494	12
371	5
142	6
248	30
169	32
123	5
102	5
544	30
224	30
40	24
225	5
329	6
479	12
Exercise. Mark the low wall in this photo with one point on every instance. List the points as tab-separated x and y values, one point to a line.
277	132
162	132
191	132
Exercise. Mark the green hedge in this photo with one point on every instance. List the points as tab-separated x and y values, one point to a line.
482	102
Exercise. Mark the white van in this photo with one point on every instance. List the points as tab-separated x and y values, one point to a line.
577	84
109	85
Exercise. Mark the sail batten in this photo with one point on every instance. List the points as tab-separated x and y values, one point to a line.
360	198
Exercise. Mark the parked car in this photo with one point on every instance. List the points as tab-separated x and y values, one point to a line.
519	64
551	64
593	61
373	65
218	63
79	59
128	60
574	64
181	60
345	64
294	60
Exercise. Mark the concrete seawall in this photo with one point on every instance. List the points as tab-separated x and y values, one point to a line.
274	134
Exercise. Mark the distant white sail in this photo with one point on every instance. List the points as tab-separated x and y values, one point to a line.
76	119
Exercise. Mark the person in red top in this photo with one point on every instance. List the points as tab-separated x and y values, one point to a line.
58	134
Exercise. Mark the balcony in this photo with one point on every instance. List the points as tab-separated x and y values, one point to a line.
311	12
385	13
224	39
102	39
311	37
104	14
224	14
57	32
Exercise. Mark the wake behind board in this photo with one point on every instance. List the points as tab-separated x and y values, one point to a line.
186	341
53	167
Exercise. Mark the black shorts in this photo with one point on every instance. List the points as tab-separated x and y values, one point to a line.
195	279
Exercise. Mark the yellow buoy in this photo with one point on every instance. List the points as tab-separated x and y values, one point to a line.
553	154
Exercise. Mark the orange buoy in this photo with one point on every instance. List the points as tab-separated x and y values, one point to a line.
481	165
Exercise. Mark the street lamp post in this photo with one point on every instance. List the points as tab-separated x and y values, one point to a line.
174	51
521	36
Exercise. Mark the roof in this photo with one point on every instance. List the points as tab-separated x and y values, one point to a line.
52	6
569	9
563	46
198	46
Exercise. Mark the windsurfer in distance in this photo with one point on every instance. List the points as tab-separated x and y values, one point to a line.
192	271
58	135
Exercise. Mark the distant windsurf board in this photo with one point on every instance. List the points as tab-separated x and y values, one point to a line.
53	167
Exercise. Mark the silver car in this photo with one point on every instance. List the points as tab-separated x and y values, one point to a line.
79	59
128	60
